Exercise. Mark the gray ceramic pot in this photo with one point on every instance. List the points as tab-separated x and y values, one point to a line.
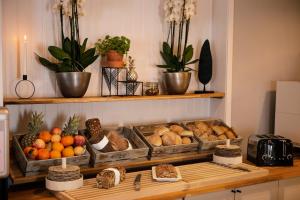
73	84
177	82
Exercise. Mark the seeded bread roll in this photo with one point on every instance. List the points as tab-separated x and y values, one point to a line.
155	140
161	130
176	129
186	140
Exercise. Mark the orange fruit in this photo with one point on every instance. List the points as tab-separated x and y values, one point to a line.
31	152
55	154
79	150
45	135
26	150
43	154
56	146
55	138
67	140
68	152
56	131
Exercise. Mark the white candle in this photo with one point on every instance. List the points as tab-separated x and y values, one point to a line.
227	142
25	55
64	163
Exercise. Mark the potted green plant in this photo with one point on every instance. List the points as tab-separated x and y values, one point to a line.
177	58
112	50
73	57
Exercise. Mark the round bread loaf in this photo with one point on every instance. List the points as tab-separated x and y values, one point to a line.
155	140
171	138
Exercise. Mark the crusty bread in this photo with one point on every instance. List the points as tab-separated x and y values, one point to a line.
155	140
171	138
186	133
219	130
186	140
176	129
230	134
161	130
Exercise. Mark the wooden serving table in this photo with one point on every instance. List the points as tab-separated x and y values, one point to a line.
275	173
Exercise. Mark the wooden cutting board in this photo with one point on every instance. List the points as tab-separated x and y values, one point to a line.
193	176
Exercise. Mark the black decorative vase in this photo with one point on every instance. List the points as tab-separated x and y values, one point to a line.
205	67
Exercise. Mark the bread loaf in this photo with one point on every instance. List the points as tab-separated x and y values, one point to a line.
219	130
171	138
155	140
186	140
176	129
186	133
119	143
161	130
110	177
93	126
230	134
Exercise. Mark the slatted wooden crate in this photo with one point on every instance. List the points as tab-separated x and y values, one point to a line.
157	152
35	167
208	145
139	149
193	176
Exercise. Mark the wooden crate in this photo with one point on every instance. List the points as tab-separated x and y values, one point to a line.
157	152
138	153
34	167
208	145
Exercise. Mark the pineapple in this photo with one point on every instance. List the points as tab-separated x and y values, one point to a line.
33	127
71	128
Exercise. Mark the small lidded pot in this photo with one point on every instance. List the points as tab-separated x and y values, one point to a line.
151	89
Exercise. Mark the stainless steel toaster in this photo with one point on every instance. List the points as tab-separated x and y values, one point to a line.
270	150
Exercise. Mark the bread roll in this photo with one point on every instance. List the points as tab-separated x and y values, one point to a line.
191	127
222	137
186	133
212	137
170	138
204	136
161	130
155	140
202	126
219	130
178	140
186	140
176	129
230	134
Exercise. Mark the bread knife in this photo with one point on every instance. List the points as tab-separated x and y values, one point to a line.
137	182
244	169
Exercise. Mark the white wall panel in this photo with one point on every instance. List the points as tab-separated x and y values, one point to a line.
111	113
140	20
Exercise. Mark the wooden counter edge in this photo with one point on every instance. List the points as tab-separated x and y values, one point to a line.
275	174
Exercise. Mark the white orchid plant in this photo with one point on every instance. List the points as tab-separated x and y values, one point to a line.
178	14
72	56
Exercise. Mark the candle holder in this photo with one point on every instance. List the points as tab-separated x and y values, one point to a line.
25	88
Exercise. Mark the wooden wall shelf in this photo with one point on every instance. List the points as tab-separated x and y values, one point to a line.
59	100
